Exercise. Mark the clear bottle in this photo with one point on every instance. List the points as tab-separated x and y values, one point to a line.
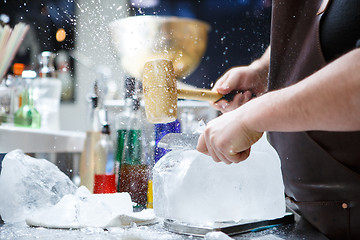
94	122
7	99
133	171
47	92
26	115
121	125
88	155
18	83
64	74
104	179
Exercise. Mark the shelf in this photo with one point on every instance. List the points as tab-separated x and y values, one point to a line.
39	140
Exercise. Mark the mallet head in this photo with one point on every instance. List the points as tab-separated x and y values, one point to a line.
160	92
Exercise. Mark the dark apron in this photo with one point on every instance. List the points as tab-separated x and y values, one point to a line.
321	170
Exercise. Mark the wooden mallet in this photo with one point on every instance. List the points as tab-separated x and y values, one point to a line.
161	92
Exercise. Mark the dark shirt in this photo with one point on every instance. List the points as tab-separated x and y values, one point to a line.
340	28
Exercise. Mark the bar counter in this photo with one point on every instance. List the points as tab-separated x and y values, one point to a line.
299	230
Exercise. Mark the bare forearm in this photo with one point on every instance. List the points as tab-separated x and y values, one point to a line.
327	100
262	64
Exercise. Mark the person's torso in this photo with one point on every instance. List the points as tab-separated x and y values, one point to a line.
339	28
321	170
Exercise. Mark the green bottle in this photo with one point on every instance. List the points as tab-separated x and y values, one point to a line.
128	126
27	115
131	168
133	172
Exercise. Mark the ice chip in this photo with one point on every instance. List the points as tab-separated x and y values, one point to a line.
83	210
216	235
190	187
27	183
201	127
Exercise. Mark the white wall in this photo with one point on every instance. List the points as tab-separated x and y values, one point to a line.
93	42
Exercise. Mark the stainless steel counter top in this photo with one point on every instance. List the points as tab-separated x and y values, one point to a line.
300	229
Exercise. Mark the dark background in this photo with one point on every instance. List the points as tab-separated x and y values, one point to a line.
240	32
44	18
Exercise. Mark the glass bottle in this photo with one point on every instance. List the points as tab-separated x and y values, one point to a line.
19	84
64	75
161	129
133	170
94	122
27	115
7	99
47	92
88	155
104	179
121	121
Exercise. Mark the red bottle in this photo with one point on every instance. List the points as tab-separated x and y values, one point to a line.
104	179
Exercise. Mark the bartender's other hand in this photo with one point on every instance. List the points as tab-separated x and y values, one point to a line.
248	80
226	141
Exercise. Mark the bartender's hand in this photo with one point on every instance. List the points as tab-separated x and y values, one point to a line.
248	80
227	138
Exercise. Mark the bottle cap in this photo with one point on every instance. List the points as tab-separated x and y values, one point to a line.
106	129
94	101
46	60
18	68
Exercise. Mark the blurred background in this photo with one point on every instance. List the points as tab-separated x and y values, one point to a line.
77	32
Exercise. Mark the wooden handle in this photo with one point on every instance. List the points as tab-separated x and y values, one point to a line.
198	94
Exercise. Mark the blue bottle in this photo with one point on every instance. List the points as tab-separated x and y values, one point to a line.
161	129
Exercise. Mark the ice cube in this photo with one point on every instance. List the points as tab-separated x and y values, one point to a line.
27	183
190	187
83	210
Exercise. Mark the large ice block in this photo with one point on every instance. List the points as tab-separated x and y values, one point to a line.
27	184
190	187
